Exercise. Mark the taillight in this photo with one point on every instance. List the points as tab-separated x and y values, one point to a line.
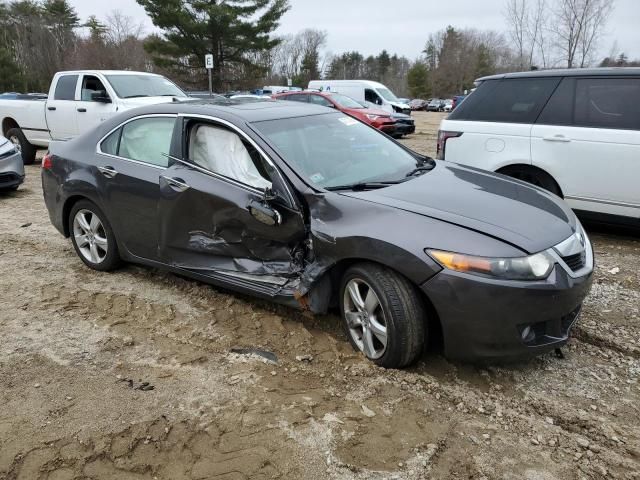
47	161
443	136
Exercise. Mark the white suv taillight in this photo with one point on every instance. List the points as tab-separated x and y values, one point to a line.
443	136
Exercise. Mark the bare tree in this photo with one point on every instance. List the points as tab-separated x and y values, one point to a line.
578	28
517	16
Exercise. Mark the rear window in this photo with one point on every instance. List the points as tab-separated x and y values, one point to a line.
513	100
66	87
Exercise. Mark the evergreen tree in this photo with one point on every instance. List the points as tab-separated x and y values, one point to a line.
418	80
233	31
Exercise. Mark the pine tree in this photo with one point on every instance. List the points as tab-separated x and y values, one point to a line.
233	31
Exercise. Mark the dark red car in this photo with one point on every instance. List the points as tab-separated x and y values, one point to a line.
376	118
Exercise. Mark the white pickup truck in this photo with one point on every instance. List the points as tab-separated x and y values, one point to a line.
77	102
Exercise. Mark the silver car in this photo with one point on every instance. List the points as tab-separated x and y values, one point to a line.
11	165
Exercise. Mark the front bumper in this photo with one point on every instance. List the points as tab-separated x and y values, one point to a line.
405	128
483	318
11	170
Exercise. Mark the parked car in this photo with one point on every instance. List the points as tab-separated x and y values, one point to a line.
434	105
275	89
418	104
575	133
361	91
77	102
249	98
447	105
309	207
11	166
405	125
457	100
377	118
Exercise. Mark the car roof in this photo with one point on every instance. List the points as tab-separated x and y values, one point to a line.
568	72
107	72
223	107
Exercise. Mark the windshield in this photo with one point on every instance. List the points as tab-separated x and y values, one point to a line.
131	86
334	150
344	101
387	95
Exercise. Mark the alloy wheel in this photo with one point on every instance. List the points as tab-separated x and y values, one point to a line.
365	318
16	143
90	236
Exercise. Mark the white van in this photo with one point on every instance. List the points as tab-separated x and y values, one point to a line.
363	91
573	132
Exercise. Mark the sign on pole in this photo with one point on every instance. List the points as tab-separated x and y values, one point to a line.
289	82
208	63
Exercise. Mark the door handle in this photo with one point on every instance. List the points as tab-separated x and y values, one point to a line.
82	110
176	183
108	171
51	108
556	138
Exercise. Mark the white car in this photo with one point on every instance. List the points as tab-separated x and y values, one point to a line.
574	132
77	102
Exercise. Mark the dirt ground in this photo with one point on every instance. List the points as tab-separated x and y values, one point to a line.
130	375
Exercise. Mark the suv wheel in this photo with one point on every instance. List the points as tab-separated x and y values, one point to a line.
383	315
92	237
28	151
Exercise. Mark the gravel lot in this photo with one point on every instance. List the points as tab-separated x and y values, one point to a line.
80	351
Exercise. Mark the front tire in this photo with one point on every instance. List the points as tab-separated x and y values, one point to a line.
92	237
28	151
383	315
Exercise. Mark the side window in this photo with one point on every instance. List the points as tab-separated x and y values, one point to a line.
66	87
607	103
90	85
147	140
511	100
371	96
222	151
110	144
559	109
318	100
297	98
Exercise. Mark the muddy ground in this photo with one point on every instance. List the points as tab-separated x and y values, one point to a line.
129	375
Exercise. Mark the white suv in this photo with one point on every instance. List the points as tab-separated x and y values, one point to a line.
575	133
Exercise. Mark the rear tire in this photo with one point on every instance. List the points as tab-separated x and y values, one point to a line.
383	315
92	237
28	151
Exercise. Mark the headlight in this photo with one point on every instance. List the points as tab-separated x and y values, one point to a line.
533	267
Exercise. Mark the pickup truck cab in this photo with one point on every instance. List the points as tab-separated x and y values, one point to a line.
77	102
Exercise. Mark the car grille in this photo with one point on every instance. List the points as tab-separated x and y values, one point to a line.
576	261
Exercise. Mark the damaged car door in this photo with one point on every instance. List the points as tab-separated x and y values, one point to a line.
226	210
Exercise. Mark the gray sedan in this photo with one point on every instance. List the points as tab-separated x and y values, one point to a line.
306	206
11	165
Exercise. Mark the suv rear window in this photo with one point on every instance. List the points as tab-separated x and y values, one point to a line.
512	100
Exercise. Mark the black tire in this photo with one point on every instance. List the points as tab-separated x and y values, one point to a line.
534	177
111	259
27	150
403	310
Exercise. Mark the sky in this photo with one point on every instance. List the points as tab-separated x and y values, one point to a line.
402	27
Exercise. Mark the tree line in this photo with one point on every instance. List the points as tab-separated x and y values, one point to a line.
40	37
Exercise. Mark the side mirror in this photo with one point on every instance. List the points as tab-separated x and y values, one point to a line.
264	213
100	96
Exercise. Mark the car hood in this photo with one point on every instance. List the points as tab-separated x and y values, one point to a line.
368	111
509	210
